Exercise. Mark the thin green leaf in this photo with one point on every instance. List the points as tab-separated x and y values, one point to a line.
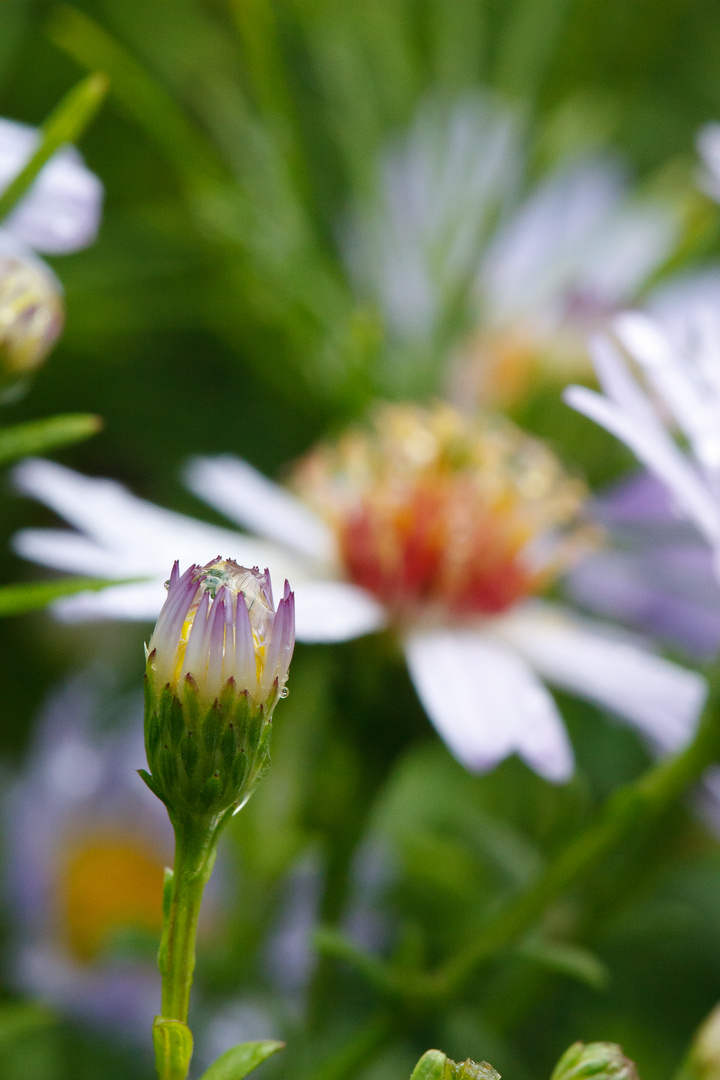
38	436
236	1063
17	599
148	103
566	959
65	124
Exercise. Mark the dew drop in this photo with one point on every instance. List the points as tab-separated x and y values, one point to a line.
284	692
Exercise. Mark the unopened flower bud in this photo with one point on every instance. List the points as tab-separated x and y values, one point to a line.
703	1061
434	1065
217	662
31	317
594	1061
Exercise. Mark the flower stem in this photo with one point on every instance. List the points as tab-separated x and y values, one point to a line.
630	808
194	858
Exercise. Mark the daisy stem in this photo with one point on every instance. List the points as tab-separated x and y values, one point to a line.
195	847
630	807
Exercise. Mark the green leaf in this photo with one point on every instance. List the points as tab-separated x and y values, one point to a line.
21	1019
17	599
173	1043
147	102
565	959
38	436
65	124
236	1063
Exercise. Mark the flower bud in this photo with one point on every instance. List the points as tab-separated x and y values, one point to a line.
31	317
594	1061
434	1065
703	1061
217	662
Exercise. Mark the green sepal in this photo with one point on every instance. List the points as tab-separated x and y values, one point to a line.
148	780
430	1066
236	1063
204	759
173	1044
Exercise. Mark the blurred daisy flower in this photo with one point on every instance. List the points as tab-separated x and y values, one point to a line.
678	392
453	238
86	845
443	530
59	214
654	572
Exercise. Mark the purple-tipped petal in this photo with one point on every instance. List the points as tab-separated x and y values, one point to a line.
282	643
217	622
245	667
196	654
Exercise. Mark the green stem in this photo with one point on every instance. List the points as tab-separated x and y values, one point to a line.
630	808
194	857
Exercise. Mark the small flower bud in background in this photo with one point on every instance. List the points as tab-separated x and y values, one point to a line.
703	1061
217	663
434	1065
599	1060
31	318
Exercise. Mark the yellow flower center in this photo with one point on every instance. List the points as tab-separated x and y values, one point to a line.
108	883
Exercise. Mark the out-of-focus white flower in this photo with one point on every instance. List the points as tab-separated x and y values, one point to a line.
680	391
655	573
59	214
443	531
454	232
86	845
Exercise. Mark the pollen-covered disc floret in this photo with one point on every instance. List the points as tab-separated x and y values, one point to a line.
436	513
217	663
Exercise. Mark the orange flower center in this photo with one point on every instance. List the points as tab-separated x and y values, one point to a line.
432	511
109	884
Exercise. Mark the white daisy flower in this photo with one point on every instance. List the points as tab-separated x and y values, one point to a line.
679	391
442	530
452	227
58	215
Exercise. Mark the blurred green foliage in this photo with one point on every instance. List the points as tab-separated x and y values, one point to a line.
214	314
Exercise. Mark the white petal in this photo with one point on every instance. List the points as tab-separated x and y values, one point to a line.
657	451
335	611
130	537
232	486
140	601
61	211
486	702
661	699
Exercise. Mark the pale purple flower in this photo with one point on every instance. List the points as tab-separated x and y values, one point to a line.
654	572
452	223
77	804
481	678
219	623
59	214
678	391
